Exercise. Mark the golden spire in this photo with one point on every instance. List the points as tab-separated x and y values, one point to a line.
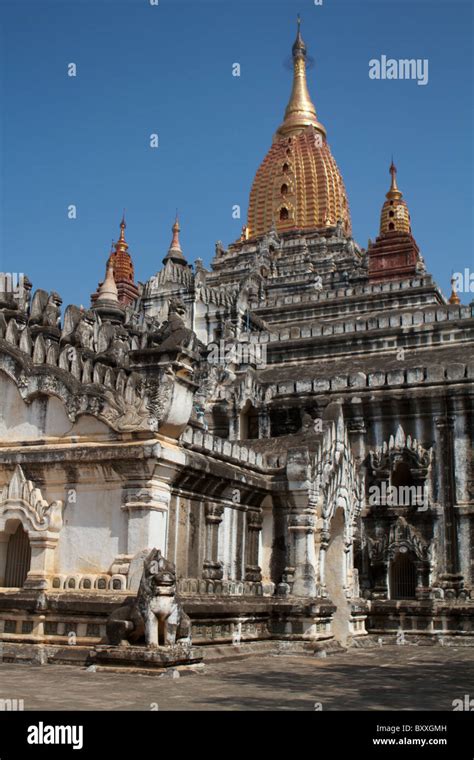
298	185
454	298
300	111
121	242
395	216
394	193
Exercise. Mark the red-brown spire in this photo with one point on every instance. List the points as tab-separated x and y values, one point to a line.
123	265
122	268
175	244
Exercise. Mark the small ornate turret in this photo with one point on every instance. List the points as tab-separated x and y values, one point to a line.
108	290
395	216
122	268
106	302
175	254
395	254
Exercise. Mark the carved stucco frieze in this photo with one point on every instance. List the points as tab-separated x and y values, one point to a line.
401	535
124	403
22	500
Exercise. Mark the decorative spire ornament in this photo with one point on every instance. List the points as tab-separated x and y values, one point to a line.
395	216
300	111
395	254
298	185
175	254
394	193
122	270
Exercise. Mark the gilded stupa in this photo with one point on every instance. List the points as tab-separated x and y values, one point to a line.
395	216
298	185
395	252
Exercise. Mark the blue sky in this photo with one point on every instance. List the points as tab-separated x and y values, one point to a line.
167	69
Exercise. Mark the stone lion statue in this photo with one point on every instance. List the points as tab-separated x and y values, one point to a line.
156	613
173	335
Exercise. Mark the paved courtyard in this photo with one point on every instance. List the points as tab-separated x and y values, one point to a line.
390	678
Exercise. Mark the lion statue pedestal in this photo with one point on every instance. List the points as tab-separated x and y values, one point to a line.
155	617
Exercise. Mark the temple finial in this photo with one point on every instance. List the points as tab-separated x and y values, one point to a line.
121	242
394	192
175	244
300	111
299	42
175	254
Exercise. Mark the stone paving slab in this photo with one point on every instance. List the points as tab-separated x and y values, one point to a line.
389	678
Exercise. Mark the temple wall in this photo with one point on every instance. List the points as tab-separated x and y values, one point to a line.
44	416
187	539
186	536
94	529
95	526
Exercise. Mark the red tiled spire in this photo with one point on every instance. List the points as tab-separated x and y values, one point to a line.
123	269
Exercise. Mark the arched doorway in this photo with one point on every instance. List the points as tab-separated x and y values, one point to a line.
18	559
403	580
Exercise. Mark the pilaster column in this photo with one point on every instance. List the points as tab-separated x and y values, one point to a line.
212	568
422	588
263	423
381	583
254	525
302	523
348	566
324	537
464	482
148	517
445	426
42	561
357	432
302	528
233	426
